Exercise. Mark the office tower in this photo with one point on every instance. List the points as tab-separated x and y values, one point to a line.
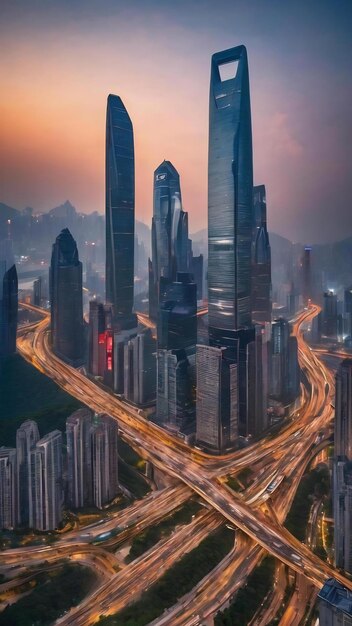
7	487
119	213
177	338
27	436
230	196
261	269
329	315
100	341
348	311
335	604
343	410
40	291
46	472
79	458
294	371
170	253
105	460
217	398
342	507
140	368
280	333
342	468
306	275
8	299
196	269
65	277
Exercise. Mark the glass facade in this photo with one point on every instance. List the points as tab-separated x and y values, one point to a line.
8	299
67	329
230	198
169	232
261	270
119	210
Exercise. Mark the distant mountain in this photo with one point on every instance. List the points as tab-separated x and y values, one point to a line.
63	210
143	233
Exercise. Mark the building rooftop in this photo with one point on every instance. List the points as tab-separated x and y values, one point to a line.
337	596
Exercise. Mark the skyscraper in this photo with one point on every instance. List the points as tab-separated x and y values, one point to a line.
8	299
105	460
27	436
342	467
140	368
306	275
7	487
119	212
217	398
343	410
230	196
67	329
170	253
261	269
46	472
329	315
79	458
177	338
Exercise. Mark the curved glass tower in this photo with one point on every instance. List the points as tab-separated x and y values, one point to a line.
261	270
230	196
169	232
119	211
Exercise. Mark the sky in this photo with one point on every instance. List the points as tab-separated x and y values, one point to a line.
59	60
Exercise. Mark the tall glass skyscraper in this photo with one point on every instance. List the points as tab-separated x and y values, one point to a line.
170	248
119	212
230	196
65	274
261	269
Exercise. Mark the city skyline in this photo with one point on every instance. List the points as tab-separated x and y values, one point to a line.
177	424
305	170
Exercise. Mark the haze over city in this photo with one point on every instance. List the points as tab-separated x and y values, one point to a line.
60	60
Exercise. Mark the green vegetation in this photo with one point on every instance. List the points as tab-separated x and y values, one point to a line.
314	483
25	393
153	534
289	589
245	476
54	593
177	581
133	480
248	599
233	484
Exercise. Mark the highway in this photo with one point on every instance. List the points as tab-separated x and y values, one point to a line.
197	470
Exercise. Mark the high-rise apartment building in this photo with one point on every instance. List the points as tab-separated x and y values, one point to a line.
105	460
140	368
67	328
79	458
7	488
47	489
230	196
27	437
8	299
119	213
170	248
335	604
261	269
